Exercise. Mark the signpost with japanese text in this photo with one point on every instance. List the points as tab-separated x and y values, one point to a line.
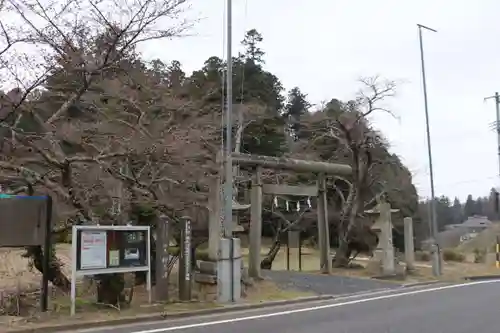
109	249
162	258
185	261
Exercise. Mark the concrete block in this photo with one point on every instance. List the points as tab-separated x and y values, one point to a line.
205	278
208	267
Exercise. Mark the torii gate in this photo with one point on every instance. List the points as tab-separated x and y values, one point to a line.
258	162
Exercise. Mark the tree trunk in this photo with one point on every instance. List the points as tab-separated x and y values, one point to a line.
343	254
348	220
267	262
110	289
55	274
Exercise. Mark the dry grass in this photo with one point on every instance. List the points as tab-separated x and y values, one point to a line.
15	271
484	240
17	277
88	311
265	291
457	271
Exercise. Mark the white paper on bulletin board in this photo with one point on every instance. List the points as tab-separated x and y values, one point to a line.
93	250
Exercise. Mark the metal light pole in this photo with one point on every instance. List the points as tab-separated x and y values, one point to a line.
228	167
229	285
497	125
436	264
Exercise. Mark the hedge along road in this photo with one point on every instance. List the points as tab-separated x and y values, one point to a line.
460	308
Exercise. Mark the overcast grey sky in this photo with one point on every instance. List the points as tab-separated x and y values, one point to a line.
324	46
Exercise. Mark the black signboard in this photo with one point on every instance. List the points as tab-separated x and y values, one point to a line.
99	249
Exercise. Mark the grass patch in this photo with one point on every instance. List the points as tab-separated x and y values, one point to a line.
94	314
88	311
267	291
453	255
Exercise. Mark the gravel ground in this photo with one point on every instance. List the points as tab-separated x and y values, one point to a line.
326	285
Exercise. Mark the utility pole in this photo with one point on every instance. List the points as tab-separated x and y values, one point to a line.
497	125
228	184
227	280
436	263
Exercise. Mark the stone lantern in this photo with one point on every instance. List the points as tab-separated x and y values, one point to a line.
237	207
383	260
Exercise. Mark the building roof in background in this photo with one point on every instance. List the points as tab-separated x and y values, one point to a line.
477	221
451	236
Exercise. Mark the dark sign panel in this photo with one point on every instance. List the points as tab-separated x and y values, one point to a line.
23	220
134	245
27	221
103	249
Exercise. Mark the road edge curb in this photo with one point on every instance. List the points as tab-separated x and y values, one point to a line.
482	277
159	316
423	283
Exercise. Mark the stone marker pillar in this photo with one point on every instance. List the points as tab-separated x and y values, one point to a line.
185	261
409	245
255	237
214	222
388	266
162	255
323	227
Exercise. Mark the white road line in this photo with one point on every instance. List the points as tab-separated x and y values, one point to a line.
314	308
236	312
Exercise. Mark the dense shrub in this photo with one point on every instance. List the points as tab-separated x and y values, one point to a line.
453	255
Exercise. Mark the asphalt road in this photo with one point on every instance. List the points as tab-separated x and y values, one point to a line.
473	307
326	284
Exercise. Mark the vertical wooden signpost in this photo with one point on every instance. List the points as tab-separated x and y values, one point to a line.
162	256
185	261
47	247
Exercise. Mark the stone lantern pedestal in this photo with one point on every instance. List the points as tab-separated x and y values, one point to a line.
383	260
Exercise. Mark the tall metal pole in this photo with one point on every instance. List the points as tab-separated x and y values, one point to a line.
497	125
228	185
436	264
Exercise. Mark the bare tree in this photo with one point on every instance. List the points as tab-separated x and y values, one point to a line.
358	142
75	115
280	227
